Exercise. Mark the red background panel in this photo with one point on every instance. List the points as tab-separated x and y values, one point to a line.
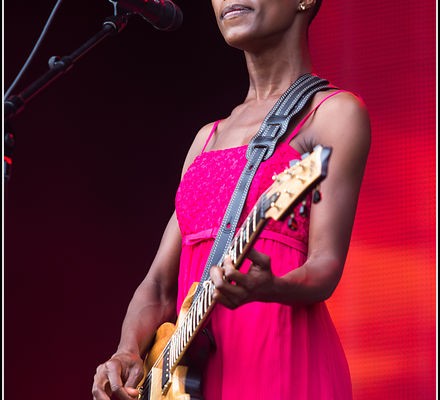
97	164
385	305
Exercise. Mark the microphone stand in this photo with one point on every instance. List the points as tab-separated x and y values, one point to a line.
57	66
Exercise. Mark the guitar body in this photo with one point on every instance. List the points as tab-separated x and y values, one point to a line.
185	381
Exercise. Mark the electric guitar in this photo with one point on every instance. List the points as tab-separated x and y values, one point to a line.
169	367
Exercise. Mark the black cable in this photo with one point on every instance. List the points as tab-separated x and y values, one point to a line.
34	50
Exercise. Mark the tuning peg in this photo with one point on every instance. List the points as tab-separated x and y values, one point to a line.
287	172
303	209
274	205
293	162
292	223
316	196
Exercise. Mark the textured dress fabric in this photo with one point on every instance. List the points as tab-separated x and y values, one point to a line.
263	350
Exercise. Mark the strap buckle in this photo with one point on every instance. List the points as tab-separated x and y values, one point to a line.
276	119
261	142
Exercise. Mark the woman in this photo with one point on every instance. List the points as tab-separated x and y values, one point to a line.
273	333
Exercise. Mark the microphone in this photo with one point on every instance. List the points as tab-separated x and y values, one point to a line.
162	14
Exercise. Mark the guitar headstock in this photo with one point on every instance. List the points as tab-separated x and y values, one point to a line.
294	183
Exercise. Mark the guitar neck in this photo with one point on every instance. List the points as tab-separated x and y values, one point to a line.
203	301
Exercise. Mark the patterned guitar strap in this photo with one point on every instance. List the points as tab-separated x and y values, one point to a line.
260	148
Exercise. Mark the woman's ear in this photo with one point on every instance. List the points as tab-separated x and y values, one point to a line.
304	5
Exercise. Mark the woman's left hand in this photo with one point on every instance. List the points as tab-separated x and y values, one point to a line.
234	288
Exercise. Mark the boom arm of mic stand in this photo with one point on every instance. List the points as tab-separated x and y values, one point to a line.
57	66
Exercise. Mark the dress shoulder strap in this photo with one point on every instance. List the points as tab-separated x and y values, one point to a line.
214	128
304	120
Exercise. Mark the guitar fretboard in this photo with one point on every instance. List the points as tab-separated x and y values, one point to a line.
203	300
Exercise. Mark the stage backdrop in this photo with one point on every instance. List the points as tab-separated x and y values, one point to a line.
97	164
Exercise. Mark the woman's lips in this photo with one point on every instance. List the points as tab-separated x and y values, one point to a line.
235	10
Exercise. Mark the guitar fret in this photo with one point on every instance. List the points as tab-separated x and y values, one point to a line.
180	342
241	241
247	229
182	337
210	293
193	320
176	347
200	301
205	302
173	350
199	309
188	331
184	343
254	221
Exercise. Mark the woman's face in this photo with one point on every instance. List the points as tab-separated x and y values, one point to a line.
247	23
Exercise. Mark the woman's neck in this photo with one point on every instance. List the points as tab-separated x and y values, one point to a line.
273	70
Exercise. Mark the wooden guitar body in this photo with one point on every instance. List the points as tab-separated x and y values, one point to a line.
185	381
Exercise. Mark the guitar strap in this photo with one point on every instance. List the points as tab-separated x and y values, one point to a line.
260	148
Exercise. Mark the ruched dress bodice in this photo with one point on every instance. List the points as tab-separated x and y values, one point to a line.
263	350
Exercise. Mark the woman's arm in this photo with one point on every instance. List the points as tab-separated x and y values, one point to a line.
153	303
341	123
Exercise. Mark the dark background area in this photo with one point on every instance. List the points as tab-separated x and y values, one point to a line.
97	164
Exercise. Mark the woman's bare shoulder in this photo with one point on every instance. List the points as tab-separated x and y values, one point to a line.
343	117
197	145
341	104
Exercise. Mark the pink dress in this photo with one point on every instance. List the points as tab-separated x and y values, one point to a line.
264	351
